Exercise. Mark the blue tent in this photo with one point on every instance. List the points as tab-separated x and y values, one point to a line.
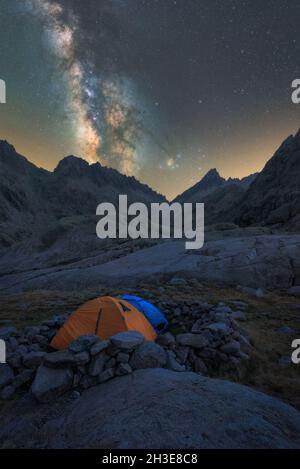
153	314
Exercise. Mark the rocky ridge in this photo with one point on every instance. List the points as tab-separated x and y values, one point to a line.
268	198
42	206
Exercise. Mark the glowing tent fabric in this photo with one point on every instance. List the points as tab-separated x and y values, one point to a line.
151	312
103	316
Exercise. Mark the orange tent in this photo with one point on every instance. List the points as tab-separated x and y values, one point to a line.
104	316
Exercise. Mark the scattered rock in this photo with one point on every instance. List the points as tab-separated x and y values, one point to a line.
23	378
182	353
50	383
123	357
219	328
172	363
112	350
12	343
123	369
148	355
239	316
75	394
166	339
97	364
77	346
88	381
14	360
60	359
99	347
200	366
128	340
111	363
6	332
244	343
223	309
33	359
192	340
177	281
106	375
82	358
83	342
232	348
6	375
7	392
32	331
294	291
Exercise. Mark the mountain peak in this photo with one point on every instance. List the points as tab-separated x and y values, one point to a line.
12	159
273	198
212	176
290	144
71	165
213	171
208	183
6	148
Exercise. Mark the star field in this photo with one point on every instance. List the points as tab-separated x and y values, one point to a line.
162	89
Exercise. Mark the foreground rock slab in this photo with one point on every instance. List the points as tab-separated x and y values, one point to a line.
155	408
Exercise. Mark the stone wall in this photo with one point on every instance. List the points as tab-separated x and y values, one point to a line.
204	339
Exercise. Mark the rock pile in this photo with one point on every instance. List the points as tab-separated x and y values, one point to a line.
25	351
89	361
208	337
182	315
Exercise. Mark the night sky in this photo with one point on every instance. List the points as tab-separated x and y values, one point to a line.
162	89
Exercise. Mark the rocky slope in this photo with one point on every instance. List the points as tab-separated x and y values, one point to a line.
48	226
274	197
218	194
257	260
210	183
46	205
271	197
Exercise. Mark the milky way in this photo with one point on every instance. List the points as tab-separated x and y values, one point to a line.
101	103
161	89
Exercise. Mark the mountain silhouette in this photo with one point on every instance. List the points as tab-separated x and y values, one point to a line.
32	198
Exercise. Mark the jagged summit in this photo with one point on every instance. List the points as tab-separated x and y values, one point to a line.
32	199
211	177
9	157
6	147
71	165
212	174
274	196
291	143
209	184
